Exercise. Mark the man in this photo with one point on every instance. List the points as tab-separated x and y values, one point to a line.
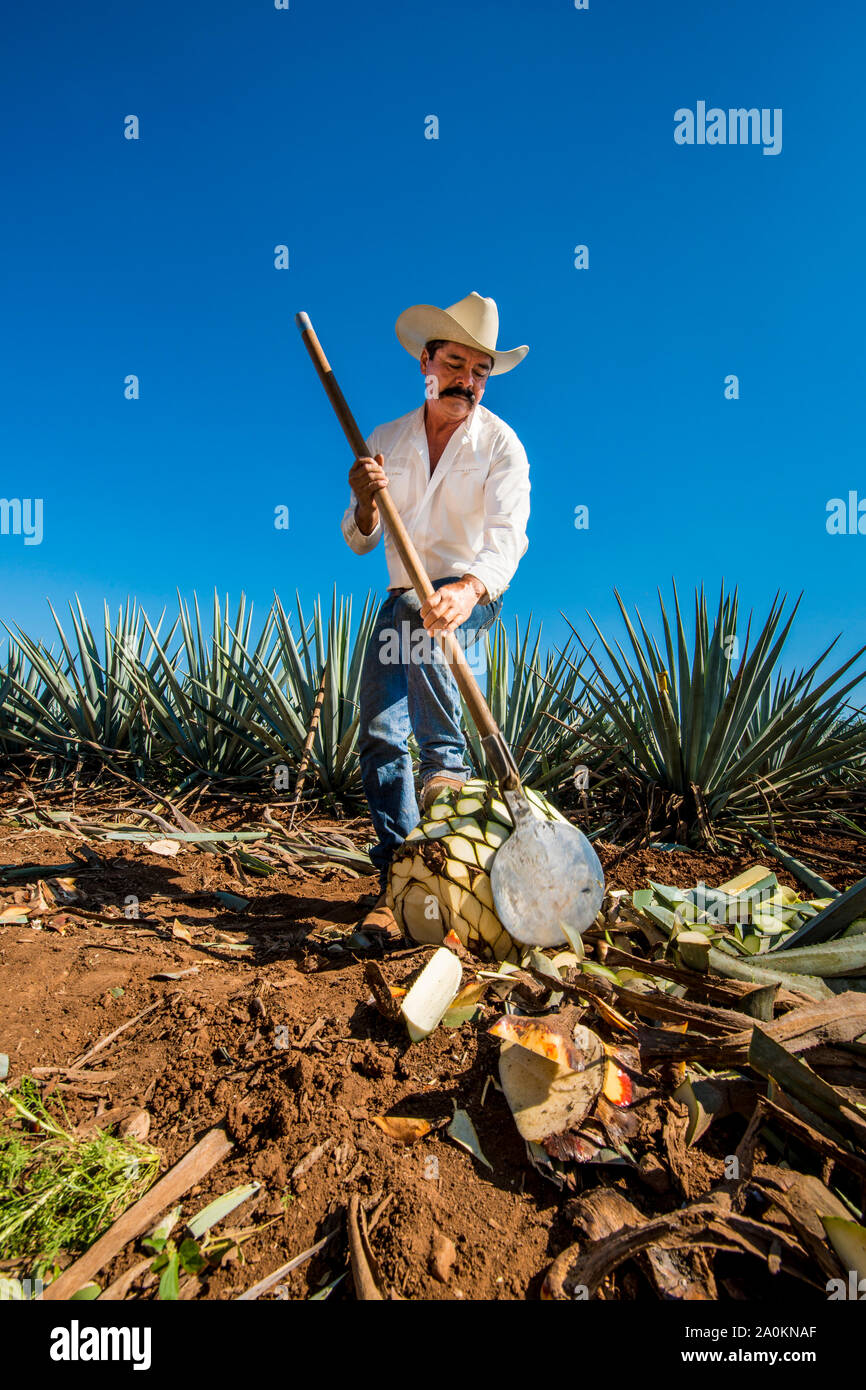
459	477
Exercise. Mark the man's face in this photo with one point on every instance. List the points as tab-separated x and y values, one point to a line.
461	374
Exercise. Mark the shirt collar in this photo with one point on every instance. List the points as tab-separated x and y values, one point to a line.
470	429
472	426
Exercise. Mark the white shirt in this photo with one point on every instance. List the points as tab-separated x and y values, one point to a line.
470	516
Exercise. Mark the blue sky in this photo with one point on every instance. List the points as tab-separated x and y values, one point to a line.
306	127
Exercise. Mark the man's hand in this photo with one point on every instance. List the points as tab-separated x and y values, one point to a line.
451	605
366	478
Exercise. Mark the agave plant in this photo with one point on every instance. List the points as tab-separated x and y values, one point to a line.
534	706
720	745
284	694
201	716
339	662
20	687
83	701
439	878
836	787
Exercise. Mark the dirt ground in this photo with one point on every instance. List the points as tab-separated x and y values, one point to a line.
277	1040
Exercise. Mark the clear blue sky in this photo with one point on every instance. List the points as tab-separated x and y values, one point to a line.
306	127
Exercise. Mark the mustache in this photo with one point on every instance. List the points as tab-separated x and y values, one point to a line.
462	391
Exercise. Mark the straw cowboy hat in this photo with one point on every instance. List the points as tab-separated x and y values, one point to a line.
473	321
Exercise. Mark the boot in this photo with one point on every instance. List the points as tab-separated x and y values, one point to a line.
439	782
380	918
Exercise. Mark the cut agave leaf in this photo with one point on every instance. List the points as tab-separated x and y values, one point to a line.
770	923
848	1239
662	916
832	921
328	1289
570	934
812	881
846	956
568	960
465	1004
693	949
671	897
233	900
499	979
747	879
430	996
770	1059
601	972
785	896
537	960
741	968
155	1240
699	1119
219	1209
462	1131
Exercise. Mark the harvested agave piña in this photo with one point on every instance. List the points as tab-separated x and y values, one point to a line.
439	878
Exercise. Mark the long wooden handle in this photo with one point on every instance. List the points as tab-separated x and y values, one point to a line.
466	682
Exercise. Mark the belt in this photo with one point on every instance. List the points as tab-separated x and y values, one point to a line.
410	590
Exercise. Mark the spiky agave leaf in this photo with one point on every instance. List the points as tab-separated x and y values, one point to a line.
439	878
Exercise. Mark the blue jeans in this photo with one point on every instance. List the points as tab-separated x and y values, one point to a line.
406	685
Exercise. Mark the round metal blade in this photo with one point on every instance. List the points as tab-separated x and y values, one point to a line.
545	873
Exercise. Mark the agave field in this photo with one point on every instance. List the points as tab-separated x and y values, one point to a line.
219	1079
668	735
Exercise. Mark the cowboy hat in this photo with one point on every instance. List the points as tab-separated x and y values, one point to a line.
473	321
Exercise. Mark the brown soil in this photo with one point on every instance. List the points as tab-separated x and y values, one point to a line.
280	1043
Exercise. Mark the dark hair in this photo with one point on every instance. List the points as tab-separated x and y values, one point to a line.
436	343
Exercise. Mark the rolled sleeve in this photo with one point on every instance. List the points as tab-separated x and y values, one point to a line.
352	533
506	513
